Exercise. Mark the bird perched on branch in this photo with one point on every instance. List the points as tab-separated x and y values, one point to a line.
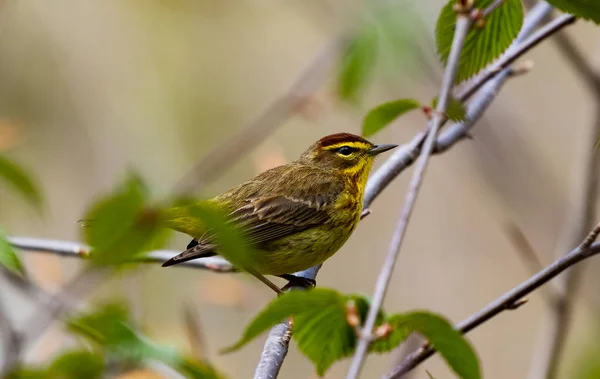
293	216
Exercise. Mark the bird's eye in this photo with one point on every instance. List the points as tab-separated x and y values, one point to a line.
345	150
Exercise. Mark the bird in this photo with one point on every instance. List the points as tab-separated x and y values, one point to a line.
293	216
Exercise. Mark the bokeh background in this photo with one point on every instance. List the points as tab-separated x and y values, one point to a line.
91	89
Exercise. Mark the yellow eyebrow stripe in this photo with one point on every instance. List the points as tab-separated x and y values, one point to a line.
358	145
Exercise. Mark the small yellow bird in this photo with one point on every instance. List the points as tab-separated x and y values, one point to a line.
294	216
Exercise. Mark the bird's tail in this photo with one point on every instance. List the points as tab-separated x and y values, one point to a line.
194	251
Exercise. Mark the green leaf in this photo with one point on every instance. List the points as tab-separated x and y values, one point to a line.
122	225
450	343
380	116
110	328
232	245
29	373
77	364
357	63
320	327
455	111
9	258
482	46
399	333
587	9
16	177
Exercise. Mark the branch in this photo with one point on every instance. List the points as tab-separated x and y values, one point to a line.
463	25
277	344
11	343
75	250
581	215
405	156
507	301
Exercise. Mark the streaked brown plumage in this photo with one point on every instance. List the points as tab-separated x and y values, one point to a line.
296	215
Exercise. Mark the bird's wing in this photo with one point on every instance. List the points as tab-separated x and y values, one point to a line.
287	206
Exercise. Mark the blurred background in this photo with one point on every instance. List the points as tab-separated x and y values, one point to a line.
91	89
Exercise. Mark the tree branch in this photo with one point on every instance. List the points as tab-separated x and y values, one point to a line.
463	25
75	250
585	250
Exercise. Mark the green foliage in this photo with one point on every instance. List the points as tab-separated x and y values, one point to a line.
232	245
111	330
482	46
449	342
122	225
16	177
382	115
323	334
9	258
77	364
357	63
587	9
455	111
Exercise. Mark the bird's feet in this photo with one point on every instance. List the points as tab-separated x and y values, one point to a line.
297	281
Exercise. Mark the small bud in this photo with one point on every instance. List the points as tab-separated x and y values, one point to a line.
480	23
83	252
476	14
517	304
523	68
352	314
428	111
383	331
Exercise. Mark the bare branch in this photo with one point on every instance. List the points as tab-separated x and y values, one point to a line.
11	342
75	250
583	197
463	25
506	301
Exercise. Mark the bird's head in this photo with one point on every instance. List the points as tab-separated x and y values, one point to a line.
344	152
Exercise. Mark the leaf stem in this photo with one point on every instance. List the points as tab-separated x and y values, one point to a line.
463	25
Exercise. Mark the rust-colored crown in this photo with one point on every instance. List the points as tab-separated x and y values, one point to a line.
334	139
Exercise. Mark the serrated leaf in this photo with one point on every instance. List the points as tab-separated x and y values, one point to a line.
76	365
357	63
455	111
16	177
9	258
587	9
319	324
482	46
122	225
451	344
382	115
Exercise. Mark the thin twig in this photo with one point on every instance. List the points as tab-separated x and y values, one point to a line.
581	209
76	250
514	53
195	333
463	25
486	12
507	301
277	343
405	156
11	342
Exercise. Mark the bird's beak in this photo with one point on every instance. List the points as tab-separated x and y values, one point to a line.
378	149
